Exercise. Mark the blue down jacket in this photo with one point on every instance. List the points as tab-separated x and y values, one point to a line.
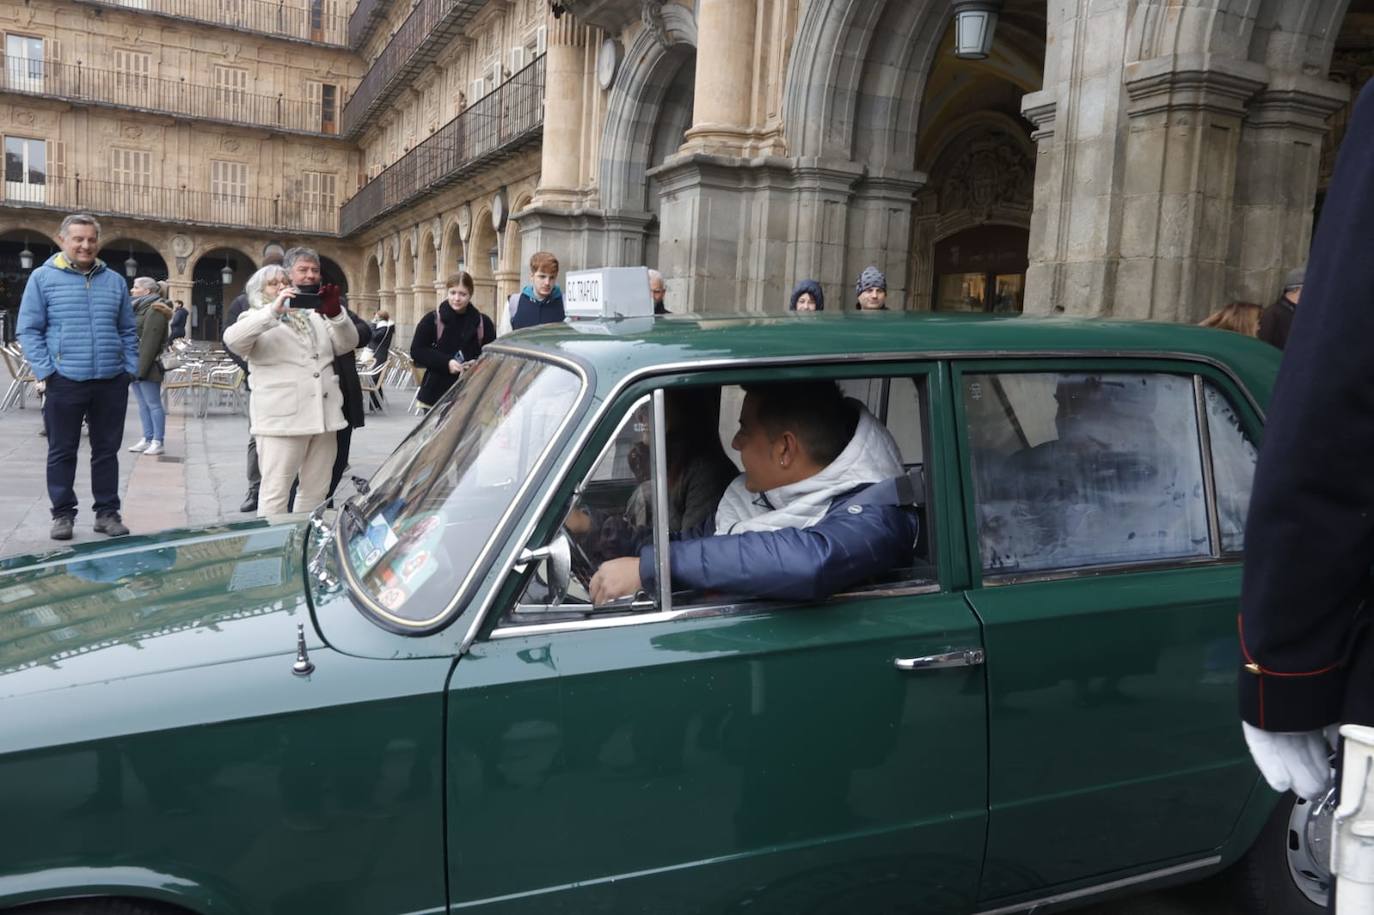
80	325
866	532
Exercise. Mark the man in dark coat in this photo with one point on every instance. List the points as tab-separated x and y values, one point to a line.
346	368
1277	321
823	504
1310	536
250	500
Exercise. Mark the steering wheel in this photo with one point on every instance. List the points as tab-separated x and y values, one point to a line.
582	566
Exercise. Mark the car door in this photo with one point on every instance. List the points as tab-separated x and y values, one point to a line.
1106	509
725	754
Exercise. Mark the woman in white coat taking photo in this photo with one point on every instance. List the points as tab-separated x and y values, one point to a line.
295	406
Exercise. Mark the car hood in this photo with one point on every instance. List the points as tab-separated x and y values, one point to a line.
100	613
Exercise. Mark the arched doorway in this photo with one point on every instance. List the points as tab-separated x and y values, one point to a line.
14	276
131	258
210	295
1352	65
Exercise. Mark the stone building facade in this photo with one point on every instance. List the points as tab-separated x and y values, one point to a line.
1152	159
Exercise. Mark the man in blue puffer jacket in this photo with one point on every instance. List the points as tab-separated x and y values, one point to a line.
76	324
824	503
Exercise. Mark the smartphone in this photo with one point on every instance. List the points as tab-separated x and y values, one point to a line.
306	297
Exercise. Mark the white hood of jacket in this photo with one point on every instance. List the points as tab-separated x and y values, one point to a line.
870	457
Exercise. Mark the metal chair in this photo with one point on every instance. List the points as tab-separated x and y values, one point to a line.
225	383
371	379
21	375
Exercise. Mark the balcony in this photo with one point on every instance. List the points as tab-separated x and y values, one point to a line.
171	204
297	20
127	91
428	28
364	19
498	125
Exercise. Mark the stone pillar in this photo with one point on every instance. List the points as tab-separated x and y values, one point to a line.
880	218
404	315
1078	116
820	247
564	80
507	283
1178	191
422	299
1276	182
387	300
724	90
180	289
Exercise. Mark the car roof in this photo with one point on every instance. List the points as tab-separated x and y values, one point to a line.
618	348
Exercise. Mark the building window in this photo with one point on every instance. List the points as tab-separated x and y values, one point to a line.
24	63
26	169
132	173
320	200
229	191
982	269
132	69
324	106
231	89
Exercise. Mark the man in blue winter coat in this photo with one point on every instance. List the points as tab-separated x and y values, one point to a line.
823	504
76	324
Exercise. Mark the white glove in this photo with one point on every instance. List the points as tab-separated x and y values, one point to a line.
1295	760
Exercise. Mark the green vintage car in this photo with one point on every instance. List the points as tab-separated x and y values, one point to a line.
411	705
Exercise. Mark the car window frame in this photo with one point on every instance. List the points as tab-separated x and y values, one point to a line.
937	428
1199	371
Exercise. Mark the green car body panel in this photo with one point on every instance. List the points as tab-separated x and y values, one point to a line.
155	742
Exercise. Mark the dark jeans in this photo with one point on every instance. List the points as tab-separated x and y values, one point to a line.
102	404
254	474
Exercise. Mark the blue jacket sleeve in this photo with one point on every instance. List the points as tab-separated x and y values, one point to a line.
31	328
128	331
811	563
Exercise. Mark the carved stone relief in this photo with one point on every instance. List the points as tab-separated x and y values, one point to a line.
993	173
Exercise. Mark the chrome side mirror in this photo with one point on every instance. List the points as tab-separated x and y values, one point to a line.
557	559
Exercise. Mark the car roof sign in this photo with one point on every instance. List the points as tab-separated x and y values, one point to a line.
608	293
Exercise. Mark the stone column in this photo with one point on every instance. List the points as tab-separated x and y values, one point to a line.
724	90
564	81
1276	182
422	299
386	300
180	289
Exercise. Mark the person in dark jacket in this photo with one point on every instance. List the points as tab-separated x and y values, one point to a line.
1277	321
76	324
540	302
250	500
346	368
823	504
807	296
179	318
1309	541
383	330
152	317
449	337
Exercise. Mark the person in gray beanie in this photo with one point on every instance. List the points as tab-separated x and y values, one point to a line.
1278	318
871	290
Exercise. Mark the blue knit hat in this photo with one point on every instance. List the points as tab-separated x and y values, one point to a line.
871	278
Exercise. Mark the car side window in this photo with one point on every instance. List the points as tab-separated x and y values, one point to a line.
611	513
1233	467
1081	469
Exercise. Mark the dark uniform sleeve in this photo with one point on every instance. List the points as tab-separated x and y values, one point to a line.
1310	535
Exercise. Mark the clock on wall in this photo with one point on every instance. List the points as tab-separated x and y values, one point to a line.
607	62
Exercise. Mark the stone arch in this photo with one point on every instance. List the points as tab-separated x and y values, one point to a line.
865	73
118	248
512	252
210	298
637	97
480	243
405	282
372	276
1288	36
451	250
426	273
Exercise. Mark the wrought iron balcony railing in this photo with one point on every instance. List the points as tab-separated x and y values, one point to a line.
119	89
430	26
363	20
172	204
301	20
495	126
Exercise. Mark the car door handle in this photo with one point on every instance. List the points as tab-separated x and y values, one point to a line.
964	657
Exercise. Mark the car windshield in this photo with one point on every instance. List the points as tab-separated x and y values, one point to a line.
432	508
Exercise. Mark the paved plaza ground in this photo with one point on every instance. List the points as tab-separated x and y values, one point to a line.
200	480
